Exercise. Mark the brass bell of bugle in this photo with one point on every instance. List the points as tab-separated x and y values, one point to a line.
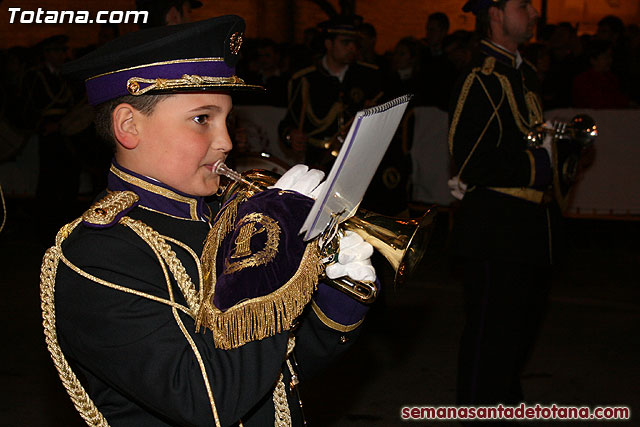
402	241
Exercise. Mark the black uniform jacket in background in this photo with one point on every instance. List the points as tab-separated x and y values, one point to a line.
140	359
502	214
325	105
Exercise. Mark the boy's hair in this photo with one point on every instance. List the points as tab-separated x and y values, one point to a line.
103	118
483	26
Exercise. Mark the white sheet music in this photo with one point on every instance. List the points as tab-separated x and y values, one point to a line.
363	149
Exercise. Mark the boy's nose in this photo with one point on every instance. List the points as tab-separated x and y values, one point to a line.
222	142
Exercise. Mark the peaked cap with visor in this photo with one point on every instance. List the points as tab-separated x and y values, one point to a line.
194	57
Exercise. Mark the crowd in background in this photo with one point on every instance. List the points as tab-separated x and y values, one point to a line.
600	70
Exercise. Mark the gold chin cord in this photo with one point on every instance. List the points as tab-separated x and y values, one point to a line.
402	241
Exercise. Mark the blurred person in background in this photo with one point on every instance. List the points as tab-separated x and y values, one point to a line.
565	50
403	75
599	87
167	12
324	98
611	28
46	98
368	39
437	74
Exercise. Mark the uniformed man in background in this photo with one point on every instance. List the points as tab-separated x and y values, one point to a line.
324	98
506	228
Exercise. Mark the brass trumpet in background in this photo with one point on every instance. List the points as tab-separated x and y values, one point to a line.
570	141
581	129
402	241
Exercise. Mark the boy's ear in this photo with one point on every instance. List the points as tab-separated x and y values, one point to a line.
124	126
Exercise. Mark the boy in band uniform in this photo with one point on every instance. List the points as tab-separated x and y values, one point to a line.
146	325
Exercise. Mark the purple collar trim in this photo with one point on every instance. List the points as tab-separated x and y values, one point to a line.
156	196
113	85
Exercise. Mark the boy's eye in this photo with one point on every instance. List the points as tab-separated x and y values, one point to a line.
201	119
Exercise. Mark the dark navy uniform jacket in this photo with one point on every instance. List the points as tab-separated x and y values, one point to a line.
323	105
124	324
504	213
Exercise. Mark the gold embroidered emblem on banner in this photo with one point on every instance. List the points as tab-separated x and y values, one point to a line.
250	226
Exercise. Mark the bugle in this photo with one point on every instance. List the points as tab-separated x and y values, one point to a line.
402	241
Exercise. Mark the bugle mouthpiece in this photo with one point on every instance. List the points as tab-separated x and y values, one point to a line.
221	169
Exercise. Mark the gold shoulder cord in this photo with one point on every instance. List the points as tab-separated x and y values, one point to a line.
320	124
487	69
533	106
166	257
81	400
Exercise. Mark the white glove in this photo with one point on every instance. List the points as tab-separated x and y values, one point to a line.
457	187
354	259
302	180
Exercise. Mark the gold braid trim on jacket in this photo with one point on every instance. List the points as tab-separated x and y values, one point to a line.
167	260
532	101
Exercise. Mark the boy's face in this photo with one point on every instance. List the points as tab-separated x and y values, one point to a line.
182	139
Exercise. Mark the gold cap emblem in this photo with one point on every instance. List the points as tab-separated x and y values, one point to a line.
133	87
235	42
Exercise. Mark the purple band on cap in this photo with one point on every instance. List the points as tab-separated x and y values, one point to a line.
114	85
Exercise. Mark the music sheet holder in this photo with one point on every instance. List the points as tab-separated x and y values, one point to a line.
368	139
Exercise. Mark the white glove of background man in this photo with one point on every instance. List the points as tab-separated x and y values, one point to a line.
354	259
303	180
457	187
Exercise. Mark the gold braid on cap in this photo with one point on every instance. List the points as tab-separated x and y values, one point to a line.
260	317
186	81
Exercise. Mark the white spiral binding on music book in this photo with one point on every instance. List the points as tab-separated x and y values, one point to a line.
387	105
365	144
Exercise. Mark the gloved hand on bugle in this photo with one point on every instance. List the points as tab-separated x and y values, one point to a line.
354	259
302	180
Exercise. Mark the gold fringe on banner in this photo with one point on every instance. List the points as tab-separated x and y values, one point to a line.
259	317
223	226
